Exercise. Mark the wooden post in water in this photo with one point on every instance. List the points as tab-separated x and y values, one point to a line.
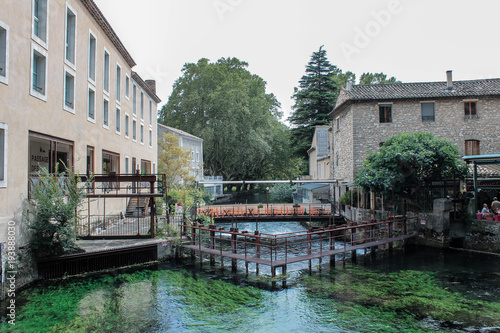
353	241
234	248
332	245
309	231
212	243
390	227
193	239
372	238
257	243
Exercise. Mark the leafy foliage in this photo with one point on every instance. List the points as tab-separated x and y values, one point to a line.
406	161
52	215
282	193
173	160
377	78
228	107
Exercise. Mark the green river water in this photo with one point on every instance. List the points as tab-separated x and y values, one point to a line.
418	290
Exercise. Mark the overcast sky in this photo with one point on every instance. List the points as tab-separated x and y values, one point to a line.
413	40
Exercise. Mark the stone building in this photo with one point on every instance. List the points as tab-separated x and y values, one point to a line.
190	142
68	94
466	113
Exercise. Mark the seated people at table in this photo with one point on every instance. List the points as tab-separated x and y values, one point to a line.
495	206
485	210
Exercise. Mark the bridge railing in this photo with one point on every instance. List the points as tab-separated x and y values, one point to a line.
281	249
255	210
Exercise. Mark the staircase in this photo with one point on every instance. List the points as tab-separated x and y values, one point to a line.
137	207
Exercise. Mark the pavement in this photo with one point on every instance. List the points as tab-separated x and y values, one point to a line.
96	245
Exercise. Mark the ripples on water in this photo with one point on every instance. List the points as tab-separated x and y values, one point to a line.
171	298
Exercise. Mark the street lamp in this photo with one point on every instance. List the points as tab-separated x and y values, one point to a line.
267	198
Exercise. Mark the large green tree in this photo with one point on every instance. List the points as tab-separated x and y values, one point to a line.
376	78
228	107
406	162
314	99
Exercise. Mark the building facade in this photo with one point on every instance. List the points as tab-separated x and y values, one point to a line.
192	144
68	96
466	113
319	153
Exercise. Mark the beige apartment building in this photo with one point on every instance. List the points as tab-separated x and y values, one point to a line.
466	113
68	94
319	153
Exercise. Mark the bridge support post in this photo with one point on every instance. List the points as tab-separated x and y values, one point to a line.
332	245
193	239
309	231
353	241
372	239
390	226
234	249
257	247
212	244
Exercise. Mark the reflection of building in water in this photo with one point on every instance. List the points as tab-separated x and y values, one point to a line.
71	99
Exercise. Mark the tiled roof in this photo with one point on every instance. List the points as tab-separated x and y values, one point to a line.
164	129
106	27
144	86
418	90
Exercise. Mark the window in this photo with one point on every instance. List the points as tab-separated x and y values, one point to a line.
385	112
70	35
38	79
134	130
127	170
126	125
470	109
337	159
142	133
40	14
150	113
471	147
105	115
90	160
118	82
145	167
106	71
142	105
150	138
337	123
134	99
154	168
117	120
197	156
92	48
110	162
91	106
4	53
69	92
428	114
50	153
3	155
127	86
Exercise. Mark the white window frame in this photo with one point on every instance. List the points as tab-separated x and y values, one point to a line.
66	107
142	105
106	71
4	149
150	138
141	133
70	45
92	120
127	86
4	53
44	54
118	118
92	58
134	99
104	101
126	121
150	112
134	130
127	160
118	83
44	42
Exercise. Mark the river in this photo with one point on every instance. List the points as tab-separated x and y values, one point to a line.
416	290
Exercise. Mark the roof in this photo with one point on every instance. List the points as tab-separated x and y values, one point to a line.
163	129
144	86
106	27
417	90
487	165
312	186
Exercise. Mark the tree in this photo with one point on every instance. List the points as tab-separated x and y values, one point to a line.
173	160
314	100
406	161
228	107
376	78
52	213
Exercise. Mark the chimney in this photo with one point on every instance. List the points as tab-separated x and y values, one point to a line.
151	85
348	86
449	81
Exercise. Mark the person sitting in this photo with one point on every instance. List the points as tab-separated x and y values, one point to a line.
485	211
495	206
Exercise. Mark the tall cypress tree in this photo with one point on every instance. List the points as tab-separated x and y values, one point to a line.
314	99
